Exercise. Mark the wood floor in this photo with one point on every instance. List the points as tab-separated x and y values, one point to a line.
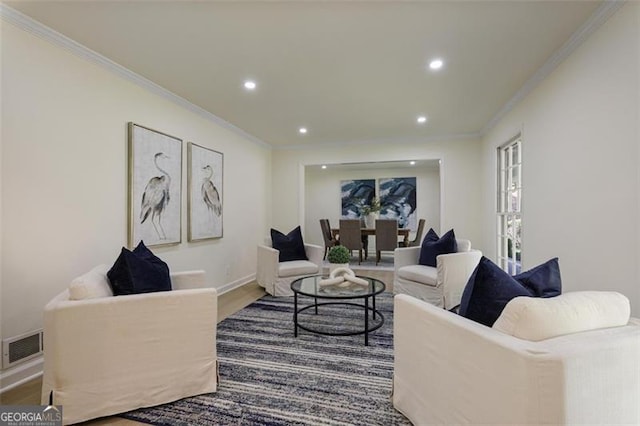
228	304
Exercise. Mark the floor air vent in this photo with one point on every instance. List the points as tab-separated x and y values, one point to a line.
21	348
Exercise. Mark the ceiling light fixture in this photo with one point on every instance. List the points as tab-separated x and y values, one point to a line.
324	166
413	163
302	130
421	119
249	85
436	64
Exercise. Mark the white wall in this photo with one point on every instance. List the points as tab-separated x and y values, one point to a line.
322	195
580	163
64	177
459	171
1	174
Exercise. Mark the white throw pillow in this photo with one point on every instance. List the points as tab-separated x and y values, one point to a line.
91	285
537	318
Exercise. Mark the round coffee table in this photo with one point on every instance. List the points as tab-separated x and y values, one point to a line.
339	294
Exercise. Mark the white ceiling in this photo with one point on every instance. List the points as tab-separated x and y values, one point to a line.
348	71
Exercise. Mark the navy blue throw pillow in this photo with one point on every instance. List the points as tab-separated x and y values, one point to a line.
490	288
543	280
433	246
138	271
487	292
431	236
290	246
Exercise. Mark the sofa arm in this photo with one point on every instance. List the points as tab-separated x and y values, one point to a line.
267	271
188	280
404	256
454	270
314	254
165	341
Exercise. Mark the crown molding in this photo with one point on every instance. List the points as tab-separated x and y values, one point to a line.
595	21
392	140
40	30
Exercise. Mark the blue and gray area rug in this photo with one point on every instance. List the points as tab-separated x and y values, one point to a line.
269	377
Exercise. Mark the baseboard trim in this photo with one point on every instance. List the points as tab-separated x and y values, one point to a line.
21	374
235	284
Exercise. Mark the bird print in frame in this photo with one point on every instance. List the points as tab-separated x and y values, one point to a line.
205	202
155	185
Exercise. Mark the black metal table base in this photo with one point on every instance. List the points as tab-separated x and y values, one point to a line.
369	326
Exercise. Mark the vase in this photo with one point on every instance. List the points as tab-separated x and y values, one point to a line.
333	266
370	220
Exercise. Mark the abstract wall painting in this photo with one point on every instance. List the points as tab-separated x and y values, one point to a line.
204	177
398	200
356	194
155	187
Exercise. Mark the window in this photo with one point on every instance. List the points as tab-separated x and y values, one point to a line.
509	207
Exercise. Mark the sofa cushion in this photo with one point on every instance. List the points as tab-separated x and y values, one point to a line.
534	318
463	245
419	273
433	246
91	285
138	271
290	246
296	267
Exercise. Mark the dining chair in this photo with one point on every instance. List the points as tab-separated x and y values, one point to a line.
418	238
386	236
329	241
351	236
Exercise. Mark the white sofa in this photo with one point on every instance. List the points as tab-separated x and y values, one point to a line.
276	277
451	370
107	354
442	285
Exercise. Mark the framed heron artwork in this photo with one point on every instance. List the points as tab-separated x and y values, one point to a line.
204	201
155	187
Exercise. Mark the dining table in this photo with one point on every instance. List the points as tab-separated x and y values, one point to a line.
366	232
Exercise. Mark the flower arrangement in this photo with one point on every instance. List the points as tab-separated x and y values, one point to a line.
338	254
374	207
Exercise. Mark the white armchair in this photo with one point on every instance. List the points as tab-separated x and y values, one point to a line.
451	370
276	277
107	354
441	286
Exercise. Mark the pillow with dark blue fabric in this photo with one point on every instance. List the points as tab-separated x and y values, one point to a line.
487	292
432	247
138	271
543	280
290	246
490	288
431	236
160	280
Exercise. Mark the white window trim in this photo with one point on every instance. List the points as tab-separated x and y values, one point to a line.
507	212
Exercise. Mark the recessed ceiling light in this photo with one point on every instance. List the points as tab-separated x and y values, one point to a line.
413	163
436	64
421	119
324	166
250	85
302	130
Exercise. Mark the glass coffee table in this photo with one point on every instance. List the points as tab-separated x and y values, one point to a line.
345	294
